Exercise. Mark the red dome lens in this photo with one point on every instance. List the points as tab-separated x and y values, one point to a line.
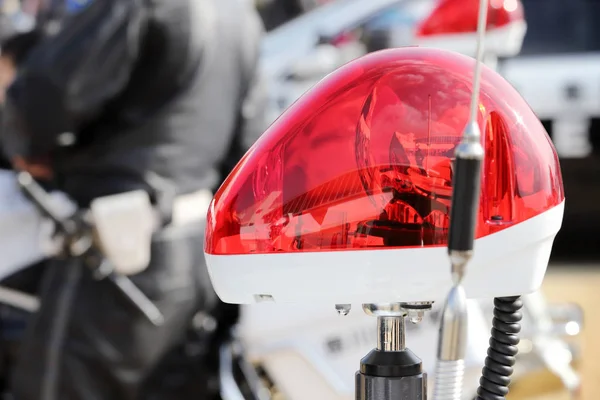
364	161
460	16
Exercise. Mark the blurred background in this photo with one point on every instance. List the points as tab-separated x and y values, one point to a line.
554	63
549	50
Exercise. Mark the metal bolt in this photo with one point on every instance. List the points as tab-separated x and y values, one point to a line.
415	316
343	309
263	298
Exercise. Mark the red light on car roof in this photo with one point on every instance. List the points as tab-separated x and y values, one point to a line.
460	16
364	161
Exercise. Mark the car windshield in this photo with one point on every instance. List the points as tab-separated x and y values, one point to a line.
302	33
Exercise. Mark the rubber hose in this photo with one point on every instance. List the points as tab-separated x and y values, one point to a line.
501	354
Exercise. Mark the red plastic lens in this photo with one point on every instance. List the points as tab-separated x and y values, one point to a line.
460	16
364	161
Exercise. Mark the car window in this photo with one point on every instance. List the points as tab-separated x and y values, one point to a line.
561	26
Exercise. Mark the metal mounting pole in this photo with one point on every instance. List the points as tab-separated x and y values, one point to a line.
390	371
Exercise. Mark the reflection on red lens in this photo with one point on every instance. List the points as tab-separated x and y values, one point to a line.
460	16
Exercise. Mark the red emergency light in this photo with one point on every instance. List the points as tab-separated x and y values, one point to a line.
346	197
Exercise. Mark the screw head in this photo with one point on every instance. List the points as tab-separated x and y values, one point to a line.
343	309
415	316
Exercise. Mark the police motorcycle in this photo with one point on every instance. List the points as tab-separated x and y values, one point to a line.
359	196
303	351
290	350
279	350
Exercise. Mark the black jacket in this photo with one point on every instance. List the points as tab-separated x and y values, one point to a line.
155	89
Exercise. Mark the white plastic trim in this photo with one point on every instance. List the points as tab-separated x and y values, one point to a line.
509	262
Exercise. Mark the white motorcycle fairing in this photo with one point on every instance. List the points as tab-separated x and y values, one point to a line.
25	235
521	252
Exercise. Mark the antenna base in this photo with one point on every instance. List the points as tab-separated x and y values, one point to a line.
391	371
385	388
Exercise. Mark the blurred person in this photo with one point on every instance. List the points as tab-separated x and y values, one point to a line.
275	13
112	96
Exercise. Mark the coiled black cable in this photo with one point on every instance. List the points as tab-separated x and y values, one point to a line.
495	376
